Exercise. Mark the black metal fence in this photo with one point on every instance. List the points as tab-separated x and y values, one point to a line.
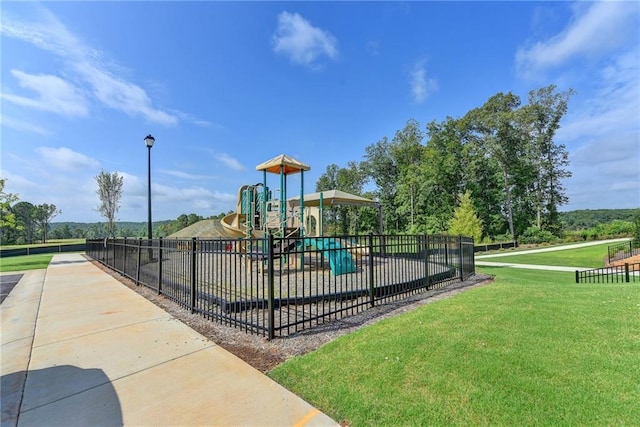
623	250
615	274
496	246
37	250
278	286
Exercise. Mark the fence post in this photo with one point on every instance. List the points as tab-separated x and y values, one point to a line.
426	261
626	272
446	251
138	262
372	285
193	274
460	258
160	266
124	258
270	275
577	276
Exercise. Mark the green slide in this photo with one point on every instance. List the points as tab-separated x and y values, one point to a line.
340	259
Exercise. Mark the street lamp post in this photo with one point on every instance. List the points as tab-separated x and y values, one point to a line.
149	140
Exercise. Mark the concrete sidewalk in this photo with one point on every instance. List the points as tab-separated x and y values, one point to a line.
79	348
530	266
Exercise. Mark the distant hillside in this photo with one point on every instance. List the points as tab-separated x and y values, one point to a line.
571	221
98	229
587	218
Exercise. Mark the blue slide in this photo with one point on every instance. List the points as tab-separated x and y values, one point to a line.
340	260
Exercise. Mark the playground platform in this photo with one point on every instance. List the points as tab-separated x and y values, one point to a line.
79	348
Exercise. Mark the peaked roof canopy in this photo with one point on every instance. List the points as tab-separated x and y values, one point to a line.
332	198
289	165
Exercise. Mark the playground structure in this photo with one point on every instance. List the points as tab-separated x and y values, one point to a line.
259	214
292	289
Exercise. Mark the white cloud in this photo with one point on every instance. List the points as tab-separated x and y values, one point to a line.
594	31
85	65
122	95
66	159
604	133
421	85
230	162
22	125
614	108
185	175
54	94
303	43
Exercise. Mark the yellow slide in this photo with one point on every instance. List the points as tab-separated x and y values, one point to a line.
232	223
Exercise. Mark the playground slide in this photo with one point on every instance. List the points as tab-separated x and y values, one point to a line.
231	224
340	260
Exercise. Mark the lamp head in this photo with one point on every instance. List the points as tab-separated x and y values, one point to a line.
149	140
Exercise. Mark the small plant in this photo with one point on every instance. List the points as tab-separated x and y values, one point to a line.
533	235
636	230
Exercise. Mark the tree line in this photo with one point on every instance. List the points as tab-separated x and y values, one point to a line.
495	173
500	157
23	222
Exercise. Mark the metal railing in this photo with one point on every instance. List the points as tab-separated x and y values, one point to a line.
279	286
615	274
622	250
45	249
496	246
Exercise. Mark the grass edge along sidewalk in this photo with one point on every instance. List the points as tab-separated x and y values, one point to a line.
531	348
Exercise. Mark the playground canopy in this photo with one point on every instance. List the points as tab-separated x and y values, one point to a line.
333	198
328	199
289	165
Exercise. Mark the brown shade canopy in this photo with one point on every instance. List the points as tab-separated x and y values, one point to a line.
289	165
332	198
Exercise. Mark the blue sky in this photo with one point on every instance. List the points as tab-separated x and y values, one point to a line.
224	86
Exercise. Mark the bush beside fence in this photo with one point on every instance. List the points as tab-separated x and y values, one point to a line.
279	286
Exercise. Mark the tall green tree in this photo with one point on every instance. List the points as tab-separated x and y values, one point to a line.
407	149
110	193
499	134
350	179
25	217
43	214
7	217
541	120
465	221
442	175
382	170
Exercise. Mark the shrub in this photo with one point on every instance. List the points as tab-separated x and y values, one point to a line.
533	235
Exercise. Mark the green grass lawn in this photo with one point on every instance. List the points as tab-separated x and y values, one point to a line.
531	348
589	257
26	262
52	242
